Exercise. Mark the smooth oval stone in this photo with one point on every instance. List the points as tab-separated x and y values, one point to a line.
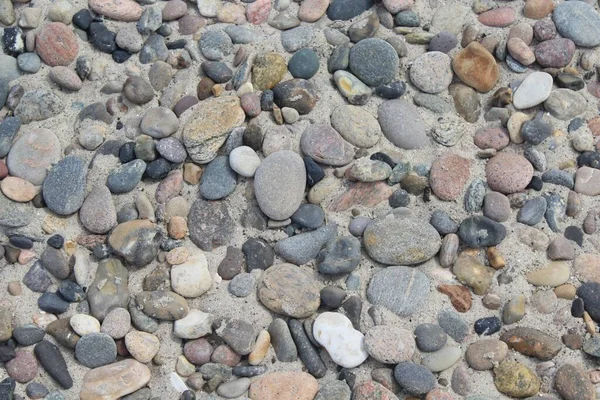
279	184
163	305
288	290
487	326
402	125
344	344
402	290
295	385
401	240
373	61
64	187
431	72
442	359
555	274
414	378
565	104
534	90
325	145
304	64
430	337
579	22
53	363
98	213
115	380
95	350
532	342
356	125
484	354
32	153
345	10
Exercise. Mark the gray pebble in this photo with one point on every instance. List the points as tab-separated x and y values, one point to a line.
430	337
558	177
218	179
304	247
282	341
29	62
453	324
475	195
124	178
532	211
65	186
215	45
442	222
242	284
296	38
95	350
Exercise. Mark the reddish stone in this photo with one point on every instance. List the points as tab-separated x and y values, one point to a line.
198	351
538	9
594	123
170	187
555	53
367	194
460	296
498	17
508	173
491	138
23	368
438	394
56	44
371	390
594	89
224	354
258	12
3	170
448	176
190	24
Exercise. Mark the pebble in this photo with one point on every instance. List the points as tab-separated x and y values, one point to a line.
117	323
344	344
95	350
112	380
414	378
352	88
341	10
361	61
53	362
498	17
218	179
508	173
400	289
284	386
448	176
304	64
126	177
56	44
397	117
442	359
571	23
301	297
515	379
142	346
431	72
282	341
430	337
485	354
534	90
565	104
476	67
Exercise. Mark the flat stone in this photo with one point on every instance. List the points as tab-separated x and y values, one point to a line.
414	378
210	224
484	354
534	90
38	105
98	213
284	386
114	381
64	186
402	290
402	125
356	125
288	290
476	67
389	344
448	176
579	22
373	73
109	288
532	342
56	44
565	104
555	274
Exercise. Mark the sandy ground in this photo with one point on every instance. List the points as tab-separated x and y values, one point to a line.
218	300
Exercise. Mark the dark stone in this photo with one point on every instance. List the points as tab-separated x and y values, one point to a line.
332	297
338	60
340	256
590	159
555	211
36	390
379	156
249	370
13	40
299	94
83	19
309	216
532	211
54	363
347	9
157	169
9	128
304	64
400	198
575	124
352	308
28	335
590	294
577	308
407	18
575	234
52	303
71	292
442	222
558	177
232	264
21	242
307	352
259	254
37	279
479	231
83	67
127	152
7	389
188	395
64	188
487	326
120	56
392	90
314	172
7	351
536	130
266	100
536	183
102	38
218	71
569	81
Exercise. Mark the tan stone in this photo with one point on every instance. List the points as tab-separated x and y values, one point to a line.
284	386
476	67
566	291
114	381
177	227
555	274
587	267
192	173
18	189
472	273
209	126
142	346
260	348
121	10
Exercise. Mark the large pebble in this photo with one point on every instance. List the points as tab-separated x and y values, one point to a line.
64	187
284	386
431	72
325	145
448	176
56	44
344	344
356	125
508	173
402	290
414	378
579	22
121	10
402	125
534	90
476	67
191	278
373	61
114	381
98	213
135	241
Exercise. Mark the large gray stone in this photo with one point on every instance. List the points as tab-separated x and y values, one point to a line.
578	21
402	290
402	125
64	187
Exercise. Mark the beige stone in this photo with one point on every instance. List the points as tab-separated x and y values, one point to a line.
114	381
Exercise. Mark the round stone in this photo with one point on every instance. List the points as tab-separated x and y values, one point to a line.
374	61
143	346
508	173
117	323
414	378
431	72
215	45
430	337
23	368
95	350
356	125
32	153
449	175
288	290
304	64
244	161
159	122
56	44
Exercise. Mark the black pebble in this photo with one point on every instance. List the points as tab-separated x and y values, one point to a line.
71	292
259	254
158	169
7	351
391	90
21	242
54	363
536	130
266	100
101	251
590	159
164	30
13	41
82	19
249	370
379	156
314	172
52	303
332	297
83	67
536	183
400	198
575	124
120	56
306	351
575	234
479	231
577	308
589	292
127	152
176	44
188	395
102	38
56	241
119	125
352	308
487	326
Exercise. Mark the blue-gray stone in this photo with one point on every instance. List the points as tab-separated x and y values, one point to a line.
304	247
475	195
242	284
347	9
124	178
414	378
430	337
340	256
218	179
536	157
95	350
65	185
358	225
297	38
29	62
479	231
304	64
532	211
514	65
555	211
215	45
37	279
442	222
53	363
28	335
154	49
407	18
309	216
52	303
373	61
150	20
240	34
453	324
353	281
578	21
558	177
9	128
171	150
